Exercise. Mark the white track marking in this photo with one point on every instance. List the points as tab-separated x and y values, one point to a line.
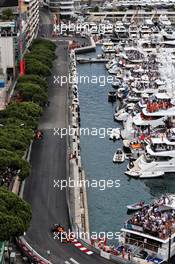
78	244
83	248
89	252
74	261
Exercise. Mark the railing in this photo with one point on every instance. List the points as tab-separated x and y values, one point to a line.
141	244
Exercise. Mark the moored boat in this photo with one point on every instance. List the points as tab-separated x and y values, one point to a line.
115	134
136	206
112	96
148	232
119	156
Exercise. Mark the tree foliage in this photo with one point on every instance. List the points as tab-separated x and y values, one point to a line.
39	59
15	138
47	60
7	14
43	42
18	122
29	92
36	67
10	160
35	79
26	114
15	215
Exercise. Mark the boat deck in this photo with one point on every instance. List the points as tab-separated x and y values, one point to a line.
92	60
141	261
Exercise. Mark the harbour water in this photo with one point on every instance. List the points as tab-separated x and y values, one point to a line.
107	208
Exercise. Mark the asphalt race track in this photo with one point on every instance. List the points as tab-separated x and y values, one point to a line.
48	160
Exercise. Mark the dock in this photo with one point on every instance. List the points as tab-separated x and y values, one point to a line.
91	60
91	47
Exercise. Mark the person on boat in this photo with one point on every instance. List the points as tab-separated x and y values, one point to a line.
123	252
129	255
141	203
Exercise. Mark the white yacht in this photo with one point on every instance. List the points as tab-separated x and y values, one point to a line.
168	34
108	47
134	55
158	159
122	114
148	232
133	30
145	30
121	31
141	119
111	63
156	112
128	130
115	134
116	83
119	156
114	69
164	21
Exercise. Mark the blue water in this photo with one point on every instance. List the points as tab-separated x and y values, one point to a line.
107	209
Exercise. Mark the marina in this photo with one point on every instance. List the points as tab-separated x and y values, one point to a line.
87	132
139	106
91	60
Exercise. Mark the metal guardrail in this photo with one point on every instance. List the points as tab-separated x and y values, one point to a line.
30	252
112	257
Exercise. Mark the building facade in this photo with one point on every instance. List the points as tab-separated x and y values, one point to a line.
10	37
65	8
30	9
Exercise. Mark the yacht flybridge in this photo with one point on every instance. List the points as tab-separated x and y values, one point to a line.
159	158
149	231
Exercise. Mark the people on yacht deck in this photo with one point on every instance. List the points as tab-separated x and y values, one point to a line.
154	221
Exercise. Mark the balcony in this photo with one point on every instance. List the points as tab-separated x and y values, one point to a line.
67	7
66	2
67	13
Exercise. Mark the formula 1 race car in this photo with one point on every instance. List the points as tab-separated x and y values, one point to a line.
59	233
38	134
57	228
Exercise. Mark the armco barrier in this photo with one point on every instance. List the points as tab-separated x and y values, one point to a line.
30	252
116	259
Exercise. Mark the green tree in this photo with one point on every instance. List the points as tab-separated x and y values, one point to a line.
40	57
15	215
40	49
7	14
32	92
15	138
30	123
44	42
25	108
10	160
38	68
27	113
35	79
